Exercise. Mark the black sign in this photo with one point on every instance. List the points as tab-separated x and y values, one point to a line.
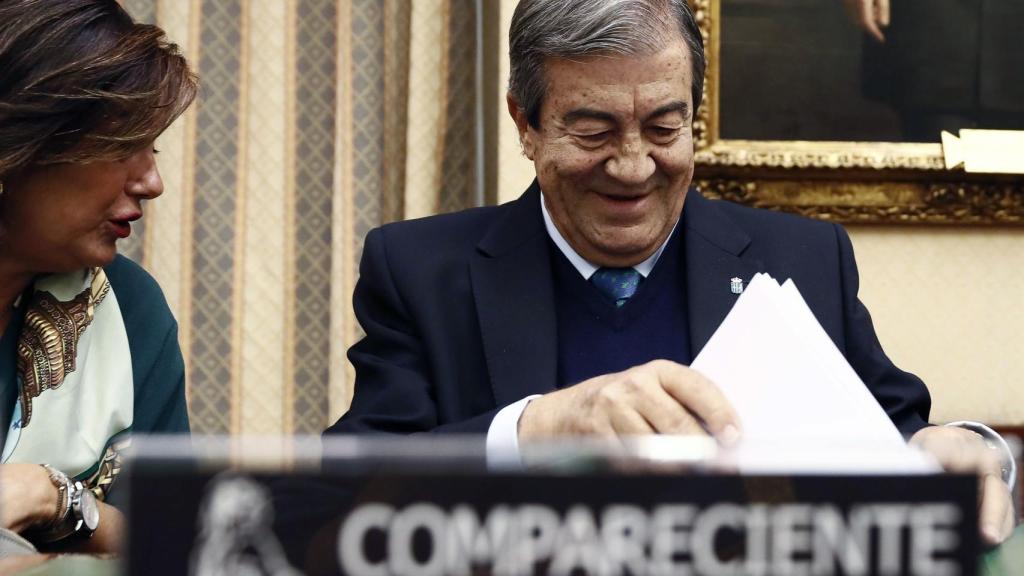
435	523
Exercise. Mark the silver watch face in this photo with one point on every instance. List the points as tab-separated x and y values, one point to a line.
90	510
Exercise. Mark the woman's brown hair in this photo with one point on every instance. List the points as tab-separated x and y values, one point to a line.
81	81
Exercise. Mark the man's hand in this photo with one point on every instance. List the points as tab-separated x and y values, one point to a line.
871	15
658	397
960	450
27	497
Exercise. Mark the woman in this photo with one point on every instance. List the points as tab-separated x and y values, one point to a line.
89	350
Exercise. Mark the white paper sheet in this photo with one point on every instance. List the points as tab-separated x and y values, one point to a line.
802	407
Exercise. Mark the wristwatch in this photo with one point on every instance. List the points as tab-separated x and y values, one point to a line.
78	515
996	443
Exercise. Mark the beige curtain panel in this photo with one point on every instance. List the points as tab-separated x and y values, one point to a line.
317	120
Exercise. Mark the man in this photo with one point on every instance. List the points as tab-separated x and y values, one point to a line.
576	309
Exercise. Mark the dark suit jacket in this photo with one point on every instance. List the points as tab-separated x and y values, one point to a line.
459	311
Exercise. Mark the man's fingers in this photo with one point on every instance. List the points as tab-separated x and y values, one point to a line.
658	397
628	422
701	397
960	450
882	12
996	510
873	30
605	430
665	414
868	14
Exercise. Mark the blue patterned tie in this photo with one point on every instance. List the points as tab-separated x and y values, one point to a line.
618	284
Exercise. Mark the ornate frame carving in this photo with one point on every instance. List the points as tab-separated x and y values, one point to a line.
850	182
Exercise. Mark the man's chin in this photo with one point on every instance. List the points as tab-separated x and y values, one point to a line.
622	254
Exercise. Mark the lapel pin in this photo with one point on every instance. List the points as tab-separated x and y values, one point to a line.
736	285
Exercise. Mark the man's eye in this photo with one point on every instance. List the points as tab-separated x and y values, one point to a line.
663	133
593	139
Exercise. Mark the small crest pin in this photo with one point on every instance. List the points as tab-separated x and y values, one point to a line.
736	285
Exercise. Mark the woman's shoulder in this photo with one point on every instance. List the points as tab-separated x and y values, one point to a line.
139	296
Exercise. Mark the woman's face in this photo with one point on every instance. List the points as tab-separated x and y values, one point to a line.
64	217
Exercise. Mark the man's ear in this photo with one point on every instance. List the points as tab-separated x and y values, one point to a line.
526	135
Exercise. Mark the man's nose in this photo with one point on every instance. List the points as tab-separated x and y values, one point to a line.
631	163
145	180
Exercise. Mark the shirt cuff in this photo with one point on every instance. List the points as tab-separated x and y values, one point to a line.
503	437
997	443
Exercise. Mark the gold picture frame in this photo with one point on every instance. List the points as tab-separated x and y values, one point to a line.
848	182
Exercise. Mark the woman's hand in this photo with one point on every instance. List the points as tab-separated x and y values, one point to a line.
27	497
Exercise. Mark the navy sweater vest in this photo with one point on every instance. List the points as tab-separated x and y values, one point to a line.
595	337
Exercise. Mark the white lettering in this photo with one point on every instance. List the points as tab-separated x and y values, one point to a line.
834	541
791	539
534	542
931	534
669	540
707	526
624	532
353	535
670	526
577	544
757	541
404	526
469	543
890	519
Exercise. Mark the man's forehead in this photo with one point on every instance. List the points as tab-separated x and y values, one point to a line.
620	70
620	84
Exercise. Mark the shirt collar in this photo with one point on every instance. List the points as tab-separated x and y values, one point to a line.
585	268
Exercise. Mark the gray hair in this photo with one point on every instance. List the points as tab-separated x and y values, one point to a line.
544	29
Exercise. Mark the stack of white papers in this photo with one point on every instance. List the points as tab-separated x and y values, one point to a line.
801	406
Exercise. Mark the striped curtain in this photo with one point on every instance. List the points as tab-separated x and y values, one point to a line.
317	120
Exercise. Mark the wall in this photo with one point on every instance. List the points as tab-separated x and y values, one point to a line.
947	306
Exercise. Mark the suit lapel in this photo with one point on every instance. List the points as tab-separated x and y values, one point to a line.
715	253
512	287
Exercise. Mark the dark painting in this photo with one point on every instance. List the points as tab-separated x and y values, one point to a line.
806	70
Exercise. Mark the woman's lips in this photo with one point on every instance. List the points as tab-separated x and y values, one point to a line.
122	228
122	225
